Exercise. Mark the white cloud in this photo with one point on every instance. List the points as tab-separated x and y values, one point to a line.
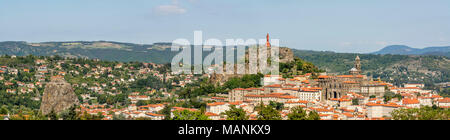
382	43
170	9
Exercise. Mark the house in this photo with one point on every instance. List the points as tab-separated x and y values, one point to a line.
218	99
217	107
266	98
426	101
411	102
13	71
9	83
444	103
349	116
212	116
239	93
118	66
271	79
378	110
154	116
291	104
414	85
179	109
12	91
132	107
153	107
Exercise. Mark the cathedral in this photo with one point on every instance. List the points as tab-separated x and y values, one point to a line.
339	85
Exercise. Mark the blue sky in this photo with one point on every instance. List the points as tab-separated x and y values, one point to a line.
342	26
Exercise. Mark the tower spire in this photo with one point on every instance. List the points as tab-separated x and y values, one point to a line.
356	70
358	63
268	41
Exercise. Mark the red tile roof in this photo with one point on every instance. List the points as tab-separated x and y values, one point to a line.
445	100
410	101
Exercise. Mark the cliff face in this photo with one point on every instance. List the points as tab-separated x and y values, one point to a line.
58	96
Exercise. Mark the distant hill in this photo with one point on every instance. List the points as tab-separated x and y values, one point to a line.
104	50
406	50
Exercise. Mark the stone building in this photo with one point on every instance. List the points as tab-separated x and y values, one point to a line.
337	86
378	110
239	93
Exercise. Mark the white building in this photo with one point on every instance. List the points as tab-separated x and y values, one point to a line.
154	116
375	110
271	79
444	103
217	107
414	85
411	102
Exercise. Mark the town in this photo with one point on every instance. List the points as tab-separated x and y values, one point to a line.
148	91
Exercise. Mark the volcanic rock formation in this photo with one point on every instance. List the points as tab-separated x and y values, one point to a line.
58	96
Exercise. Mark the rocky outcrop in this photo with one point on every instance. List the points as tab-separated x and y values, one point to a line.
58	96
286	55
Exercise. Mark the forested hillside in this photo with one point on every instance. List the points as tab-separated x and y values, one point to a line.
104	50
394	68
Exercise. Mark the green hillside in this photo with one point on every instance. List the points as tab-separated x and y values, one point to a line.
394	68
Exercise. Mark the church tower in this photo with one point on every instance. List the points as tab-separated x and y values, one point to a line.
358	63
269	50
356	70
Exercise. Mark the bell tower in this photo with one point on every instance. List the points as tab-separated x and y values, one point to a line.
356	70
268	41
358	64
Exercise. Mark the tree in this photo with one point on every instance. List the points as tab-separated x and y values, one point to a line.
276	105
143	118
398	96
119	117
235	113
166	112
4	110
52	115
268	113
355	101
423	113
390	95
189	115
87	116
298	113
70	114
247	81
313	115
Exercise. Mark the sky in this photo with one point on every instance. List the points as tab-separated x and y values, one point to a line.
356	26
